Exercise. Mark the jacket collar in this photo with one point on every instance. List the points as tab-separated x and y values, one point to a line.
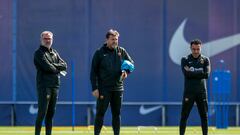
108	49
191	56
45	48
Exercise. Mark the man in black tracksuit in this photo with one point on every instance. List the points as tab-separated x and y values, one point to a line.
196	69
49	65
107	80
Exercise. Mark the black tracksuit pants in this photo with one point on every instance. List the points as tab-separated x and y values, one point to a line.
202	105
115	100
47	98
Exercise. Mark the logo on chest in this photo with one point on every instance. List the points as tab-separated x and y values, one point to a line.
202	61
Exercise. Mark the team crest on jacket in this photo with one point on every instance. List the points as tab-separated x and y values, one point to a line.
201	60
119	54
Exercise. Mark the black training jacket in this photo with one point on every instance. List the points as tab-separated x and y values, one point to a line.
48	64
195	80
106	68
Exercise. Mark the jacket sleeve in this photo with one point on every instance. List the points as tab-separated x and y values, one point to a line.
61	65
41	62
94	70
207	68
126	56
199	74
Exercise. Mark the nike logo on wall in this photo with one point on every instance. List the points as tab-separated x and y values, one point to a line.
145	111
33	110
179	47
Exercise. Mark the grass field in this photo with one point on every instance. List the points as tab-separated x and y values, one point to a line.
124	131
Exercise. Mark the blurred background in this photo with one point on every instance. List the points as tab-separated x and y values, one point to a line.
156	34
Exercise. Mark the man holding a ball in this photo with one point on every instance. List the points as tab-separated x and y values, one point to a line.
111	65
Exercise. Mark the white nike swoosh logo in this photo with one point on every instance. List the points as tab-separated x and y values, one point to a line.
145	111
33	110
179	47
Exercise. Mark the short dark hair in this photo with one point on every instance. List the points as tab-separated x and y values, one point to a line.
112	32
196	42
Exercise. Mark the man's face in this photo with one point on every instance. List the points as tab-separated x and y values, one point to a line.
196	49
112	41
47	40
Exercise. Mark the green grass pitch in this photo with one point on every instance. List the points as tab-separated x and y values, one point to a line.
140	130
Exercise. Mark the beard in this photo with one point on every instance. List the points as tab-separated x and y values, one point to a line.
48	45
114	45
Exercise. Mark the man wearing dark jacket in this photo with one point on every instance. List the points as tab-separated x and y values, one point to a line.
196	69
49	66
107	80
